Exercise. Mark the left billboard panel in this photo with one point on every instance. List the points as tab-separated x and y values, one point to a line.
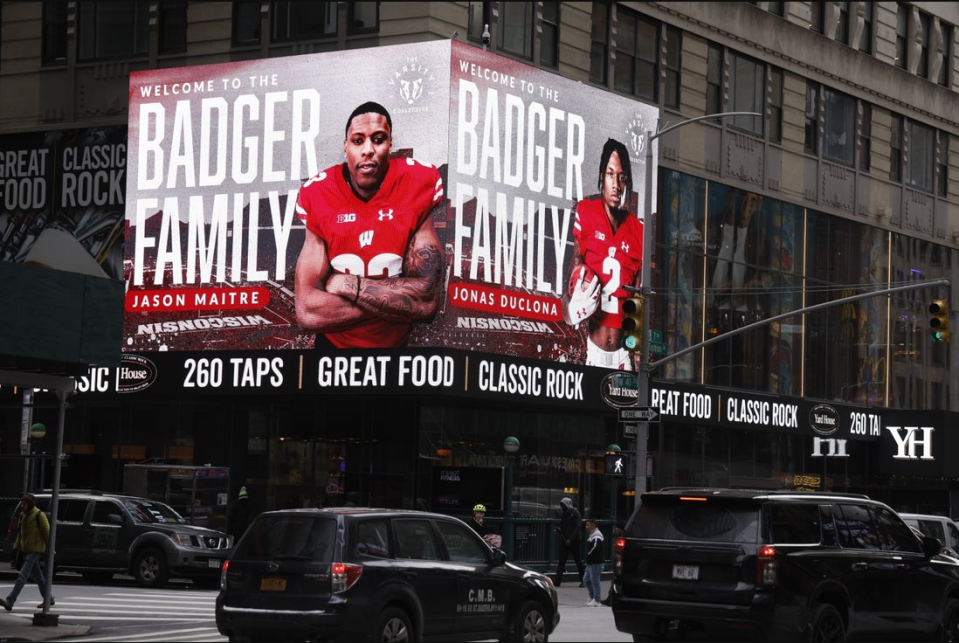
219	156
62	199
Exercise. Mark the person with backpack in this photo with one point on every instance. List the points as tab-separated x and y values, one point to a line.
33	532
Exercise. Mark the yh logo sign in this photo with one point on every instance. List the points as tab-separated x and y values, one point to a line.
912	442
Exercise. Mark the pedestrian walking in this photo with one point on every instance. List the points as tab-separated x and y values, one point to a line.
569	540
33	532
594	563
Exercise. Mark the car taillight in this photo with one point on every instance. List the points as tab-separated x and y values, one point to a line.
344	575
767	567
226	566
619	548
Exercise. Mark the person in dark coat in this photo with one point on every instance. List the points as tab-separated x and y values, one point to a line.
569	540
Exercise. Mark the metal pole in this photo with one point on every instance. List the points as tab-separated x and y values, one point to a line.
508	530
46	618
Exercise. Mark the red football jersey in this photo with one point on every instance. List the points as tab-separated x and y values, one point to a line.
615	257
370	238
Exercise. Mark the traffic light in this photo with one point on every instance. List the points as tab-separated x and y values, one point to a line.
633	310
939	322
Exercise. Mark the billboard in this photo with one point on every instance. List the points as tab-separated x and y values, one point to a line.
62	199
266	210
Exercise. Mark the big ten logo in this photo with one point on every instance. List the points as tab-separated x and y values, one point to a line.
97	380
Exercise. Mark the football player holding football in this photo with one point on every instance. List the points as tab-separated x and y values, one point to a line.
371	263
607	255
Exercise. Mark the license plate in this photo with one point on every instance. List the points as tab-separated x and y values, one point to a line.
273	585
215	564
686	572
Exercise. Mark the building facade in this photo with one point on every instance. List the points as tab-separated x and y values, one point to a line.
837	177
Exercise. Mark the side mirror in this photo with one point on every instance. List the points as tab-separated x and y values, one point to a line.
931	546
115	519
499	558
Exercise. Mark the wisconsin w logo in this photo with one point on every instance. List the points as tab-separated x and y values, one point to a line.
366	238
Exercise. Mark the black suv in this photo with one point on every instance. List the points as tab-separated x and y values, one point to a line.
101	534
380	574
721	564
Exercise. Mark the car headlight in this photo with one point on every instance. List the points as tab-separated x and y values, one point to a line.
184	539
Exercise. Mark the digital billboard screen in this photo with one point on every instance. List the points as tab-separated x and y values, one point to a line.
430	195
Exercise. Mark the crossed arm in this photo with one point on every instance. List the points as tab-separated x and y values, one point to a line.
328	301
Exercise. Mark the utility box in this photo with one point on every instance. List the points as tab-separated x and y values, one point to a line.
199	494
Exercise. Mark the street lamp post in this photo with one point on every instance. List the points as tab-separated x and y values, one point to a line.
37	432
511	446
645	366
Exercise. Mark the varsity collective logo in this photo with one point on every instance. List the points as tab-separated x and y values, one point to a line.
636	131
412	81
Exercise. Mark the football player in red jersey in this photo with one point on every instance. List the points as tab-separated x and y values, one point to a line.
608	242
371	263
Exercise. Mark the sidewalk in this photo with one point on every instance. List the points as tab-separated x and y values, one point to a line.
20	627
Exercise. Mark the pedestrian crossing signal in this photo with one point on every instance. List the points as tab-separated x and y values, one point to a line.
615	463
633	309
939	321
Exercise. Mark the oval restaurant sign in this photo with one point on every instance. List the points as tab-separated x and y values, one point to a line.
619	389
824	419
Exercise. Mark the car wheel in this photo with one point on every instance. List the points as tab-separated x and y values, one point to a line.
531	623
393	625
950	622
97	578
825	625
149	569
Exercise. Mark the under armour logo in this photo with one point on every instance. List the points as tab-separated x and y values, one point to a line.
624	247
366	238
386	214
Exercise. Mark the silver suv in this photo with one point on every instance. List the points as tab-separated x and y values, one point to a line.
101	534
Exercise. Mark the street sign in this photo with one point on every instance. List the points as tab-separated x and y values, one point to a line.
637	413
657	348
630	429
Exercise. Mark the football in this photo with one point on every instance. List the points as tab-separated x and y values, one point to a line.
580	271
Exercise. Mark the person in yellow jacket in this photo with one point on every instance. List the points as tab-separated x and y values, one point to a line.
32	536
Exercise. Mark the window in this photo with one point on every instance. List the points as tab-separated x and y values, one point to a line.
113	29
839	124
865	137
461	544
672	64
922	69
945	69
776	105
549	41
363	17
794	524
747	92
514	31
812	118
173	25
72	510
102	510
856	528
894	534
902	29
599	44
921	155
291	21
865	39
714	79
943	176
895	151
415	540
54	33
246	23
842	28
635	70
372	539
777	8
817	18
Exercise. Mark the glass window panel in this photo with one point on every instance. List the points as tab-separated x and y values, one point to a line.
902	25
173	26
840	127
865	39
714	80
776	106
246	23
922	69
895	152
113	29
478	19
812	118
921	155
865	137
945	69
747	93
842	29
549	40
515	28
364	17
54	31
302	20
